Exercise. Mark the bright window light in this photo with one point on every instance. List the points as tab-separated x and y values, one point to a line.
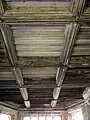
49	117
77	116
4	117
34	118
57	118
26	118
41	118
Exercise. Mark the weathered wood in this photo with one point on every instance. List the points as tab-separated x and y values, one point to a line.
55	96
10	105
18	75
20	81
27	104
86	95
8	37
77	7
49	13
53	103
47	86
75	103
39	100
24	93
2	10
70	36
43	11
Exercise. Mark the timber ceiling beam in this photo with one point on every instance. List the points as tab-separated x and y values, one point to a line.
10	105
39	100
8	40
77	7
19	79
71	31
86	95
8	36
46	86
75	103
2	10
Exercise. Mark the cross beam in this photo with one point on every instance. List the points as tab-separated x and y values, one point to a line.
46	86
77	7
71	31
8	37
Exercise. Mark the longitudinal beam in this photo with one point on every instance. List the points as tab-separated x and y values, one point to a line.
1	7
77	7
8	35
86	95
71	31
8	40
19	78
10	105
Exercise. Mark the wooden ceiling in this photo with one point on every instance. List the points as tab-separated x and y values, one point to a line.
44	52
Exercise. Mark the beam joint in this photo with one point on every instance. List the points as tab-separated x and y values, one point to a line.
77	7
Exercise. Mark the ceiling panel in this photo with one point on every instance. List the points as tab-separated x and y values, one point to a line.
40	41
40	72
37	11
